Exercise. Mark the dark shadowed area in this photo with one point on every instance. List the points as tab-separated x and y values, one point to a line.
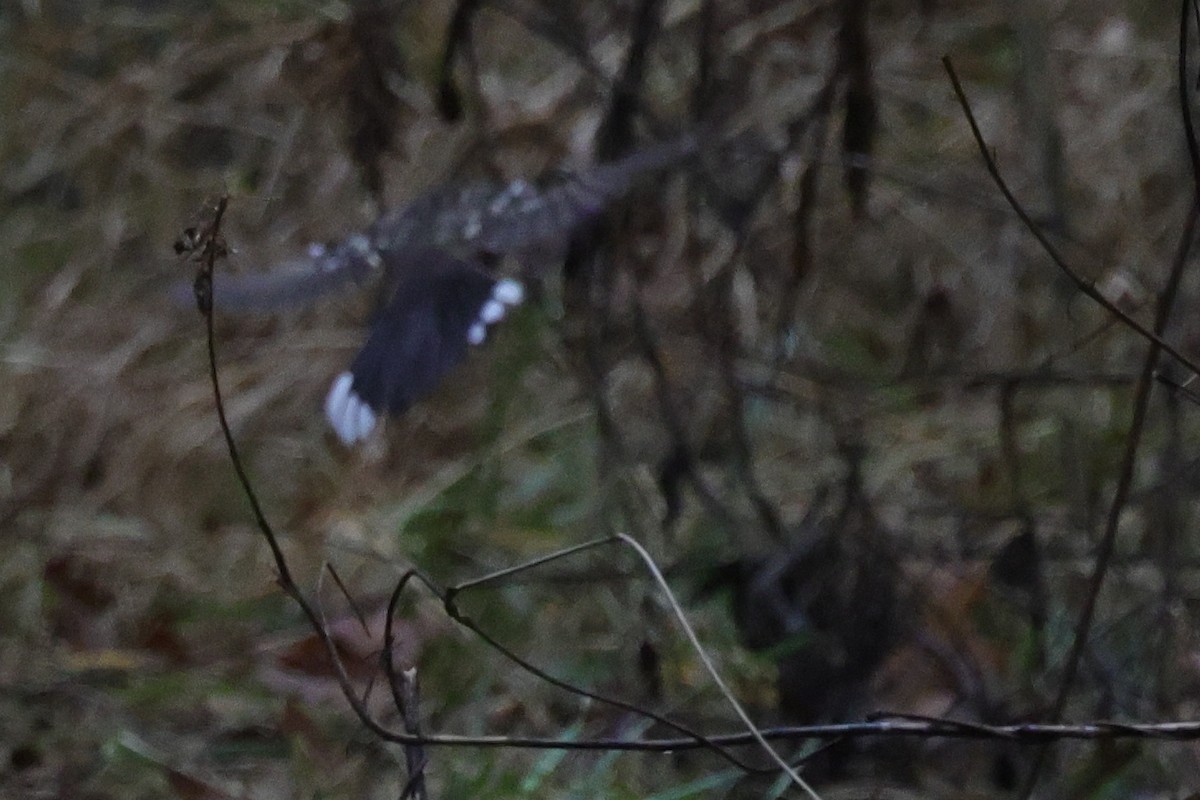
821	371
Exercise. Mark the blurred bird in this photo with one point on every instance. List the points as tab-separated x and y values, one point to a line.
432	260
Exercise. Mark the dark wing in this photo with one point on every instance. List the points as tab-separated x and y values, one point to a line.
438	308
522	216
467	220
298	283
489	218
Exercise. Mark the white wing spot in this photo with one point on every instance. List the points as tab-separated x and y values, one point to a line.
360	244
513	191
492	312
509	292
473	226
505	293
500	203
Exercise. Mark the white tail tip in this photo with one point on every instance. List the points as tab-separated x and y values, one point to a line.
352	419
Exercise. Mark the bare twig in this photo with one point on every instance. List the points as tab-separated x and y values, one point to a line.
879	726
702	654
1142	391
450	596
1084	286
414	754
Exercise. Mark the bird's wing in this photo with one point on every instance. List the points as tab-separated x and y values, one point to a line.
521	215
439	308
470	220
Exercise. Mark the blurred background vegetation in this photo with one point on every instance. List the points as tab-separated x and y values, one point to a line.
866	427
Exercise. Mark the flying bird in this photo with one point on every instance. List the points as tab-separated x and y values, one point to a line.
431	260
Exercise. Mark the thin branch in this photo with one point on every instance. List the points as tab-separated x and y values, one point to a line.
711	668
450	595
210	250
1084	286
1185	103
1142	392
500	574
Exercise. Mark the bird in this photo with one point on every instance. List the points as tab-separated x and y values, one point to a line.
433	262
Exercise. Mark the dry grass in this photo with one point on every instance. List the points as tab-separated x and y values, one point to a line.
144	648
